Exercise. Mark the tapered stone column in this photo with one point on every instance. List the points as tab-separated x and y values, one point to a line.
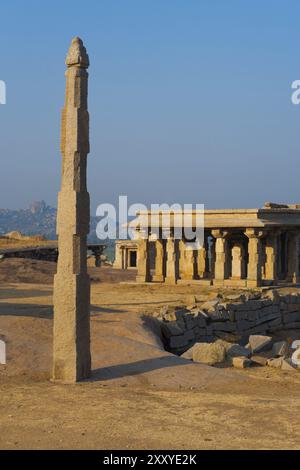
171	261
187	262
254	257
221	256
293	257
71	351
143	261
271	258
159	275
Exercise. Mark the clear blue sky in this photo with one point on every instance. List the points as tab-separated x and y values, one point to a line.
189	99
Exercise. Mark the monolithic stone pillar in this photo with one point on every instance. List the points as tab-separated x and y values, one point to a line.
187	262
71	352
254	257
171	261
293	257
143	261
271	258
221	256
159	275
237	264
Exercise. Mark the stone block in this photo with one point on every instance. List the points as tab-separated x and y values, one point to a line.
280	349
259	359
171	329
291	317
240	362
260	343
209	353
275	362
178	341
235	350
223	326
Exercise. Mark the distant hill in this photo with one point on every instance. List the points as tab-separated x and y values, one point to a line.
40	219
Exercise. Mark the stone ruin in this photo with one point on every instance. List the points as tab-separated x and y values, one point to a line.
230	321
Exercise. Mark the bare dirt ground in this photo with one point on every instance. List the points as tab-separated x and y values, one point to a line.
139	397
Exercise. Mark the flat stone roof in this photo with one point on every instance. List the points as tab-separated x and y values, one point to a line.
227	218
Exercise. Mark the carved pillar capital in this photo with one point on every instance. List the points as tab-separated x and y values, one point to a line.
218	233
254	233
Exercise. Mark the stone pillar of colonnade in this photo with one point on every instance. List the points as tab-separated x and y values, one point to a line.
186	261
238	262
293	256
159	274
221	256
271	256
171	261
254	257
143	261
202	260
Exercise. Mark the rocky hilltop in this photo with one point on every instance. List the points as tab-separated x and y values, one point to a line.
38	218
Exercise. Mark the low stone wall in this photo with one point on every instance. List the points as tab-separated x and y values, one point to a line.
230	320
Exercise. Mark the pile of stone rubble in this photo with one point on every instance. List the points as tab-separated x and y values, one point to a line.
260	350
230	325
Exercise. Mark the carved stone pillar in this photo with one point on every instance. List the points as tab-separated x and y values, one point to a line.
171	271
293	257
159	275
143	261
71	335
221	256
201	262
271	257
187	262
254	257
237	264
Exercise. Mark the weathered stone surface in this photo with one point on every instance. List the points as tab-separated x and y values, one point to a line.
259	359
260	343
280	348
275	362
240	362
210	354
71	349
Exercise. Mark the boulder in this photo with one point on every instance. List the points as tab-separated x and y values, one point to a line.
280	349
209	353
259	343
